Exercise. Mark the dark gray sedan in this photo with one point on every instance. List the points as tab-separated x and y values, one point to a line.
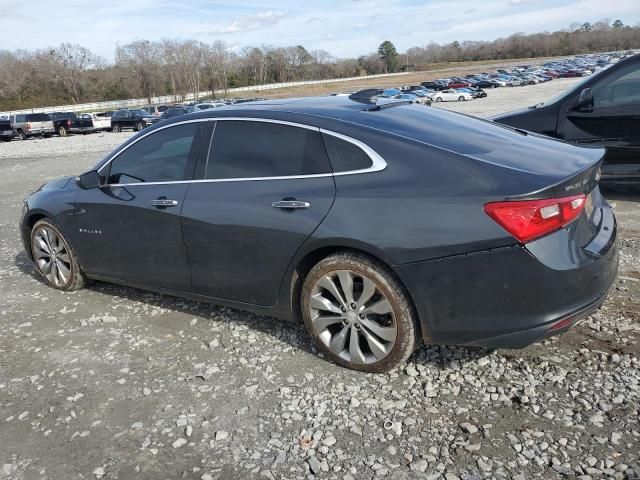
381	227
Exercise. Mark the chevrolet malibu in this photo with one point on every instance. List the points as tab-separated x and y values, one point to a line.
378	225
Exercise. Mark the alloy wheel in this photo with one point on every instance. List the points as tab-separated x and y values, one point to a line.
352	317
52	256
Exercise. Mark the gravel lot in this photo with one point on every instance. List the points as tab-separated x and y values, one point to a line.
111	382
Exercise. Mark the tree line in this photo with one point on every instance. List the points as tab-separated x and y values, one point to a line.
71	73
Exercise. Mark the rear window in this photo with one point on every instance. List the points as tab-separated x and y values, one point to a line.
345	156
37	117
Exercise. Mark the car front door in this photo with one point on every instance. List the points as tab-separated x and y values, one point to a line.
265	189
130	229
612	121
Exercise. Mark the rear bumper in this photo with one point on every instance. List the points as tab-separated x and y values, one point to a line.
510	297
39	131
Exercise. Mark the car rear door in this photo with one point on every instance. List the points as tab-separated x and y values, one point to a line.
130	228
266	187
613	122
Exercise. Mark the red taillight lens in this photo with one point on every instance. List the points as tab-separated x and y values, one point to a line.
530	219
28	125
69	123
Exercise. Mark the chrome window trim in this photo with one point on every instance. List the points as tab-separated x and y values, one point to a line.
377	162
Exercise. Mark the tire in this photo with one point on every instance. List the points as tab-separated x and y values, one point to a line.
47	135
438	99
139	126
116	129
62	131
461	99
21	135
71	279
392	330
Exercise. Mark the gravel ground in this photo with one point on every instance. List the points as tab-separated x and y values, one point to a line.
111	382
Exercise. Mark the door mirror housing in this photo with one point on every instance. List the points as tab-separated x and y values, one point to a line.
585	101
89	180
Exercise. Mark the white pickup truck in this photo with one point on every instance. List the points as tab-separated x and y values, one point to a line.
100	121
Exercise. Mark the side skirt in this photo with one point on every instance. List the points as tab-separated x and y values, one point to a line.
258	310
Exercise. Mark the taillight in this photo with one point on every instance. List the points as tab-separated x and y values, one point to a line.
530	219
28	125
69	123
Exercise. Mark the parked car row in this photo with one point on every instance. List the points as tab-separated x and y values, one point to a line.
578	66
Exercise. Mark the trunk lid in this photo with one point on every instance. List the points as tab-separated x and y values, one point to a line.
546	161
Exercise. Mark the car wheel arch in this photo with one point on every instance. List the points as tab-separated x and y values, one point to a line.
311	257
31	220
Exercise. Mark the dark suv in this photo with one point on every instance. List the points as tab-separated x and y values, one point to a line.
6	132
135	119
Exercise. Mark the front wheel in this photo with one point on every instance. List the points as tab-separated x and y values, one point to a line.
54	259
358	313
438	99
461	99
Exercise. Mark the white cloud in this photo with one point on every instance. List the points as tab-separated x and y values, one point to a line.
252	22
342	28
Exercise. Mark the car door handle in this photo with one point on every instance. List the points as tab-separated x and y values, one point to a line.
163	203
290	204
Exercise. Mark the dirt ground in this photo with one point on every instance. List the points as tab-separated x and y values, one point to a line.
115	383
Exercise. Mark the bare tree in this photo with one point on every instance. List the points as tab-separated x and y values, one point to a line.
141	59
69	61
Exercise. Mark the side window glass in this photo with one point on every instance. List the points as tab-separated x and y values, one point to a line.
249	149
345	156
160	157
619	89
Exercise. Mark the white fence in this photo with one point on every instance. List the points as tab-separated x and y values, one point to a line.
135	102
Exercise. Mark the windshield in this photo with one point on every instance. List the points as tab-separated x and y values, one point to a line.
565	93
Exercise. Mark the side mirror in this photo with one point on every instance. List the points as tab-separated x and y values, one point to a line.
585	101
89	180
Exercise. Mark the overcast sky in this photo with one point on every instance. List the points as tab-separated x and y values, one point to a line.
343	28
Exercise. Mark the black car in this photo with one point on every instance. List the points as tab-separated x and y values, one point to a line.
483	83
135	119
602	110
434	85
379	225
6	131
178	111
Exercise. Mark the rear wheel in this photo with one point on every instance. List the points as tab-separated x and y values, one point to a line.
54	259
358	313
116	128
22	135
62	131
